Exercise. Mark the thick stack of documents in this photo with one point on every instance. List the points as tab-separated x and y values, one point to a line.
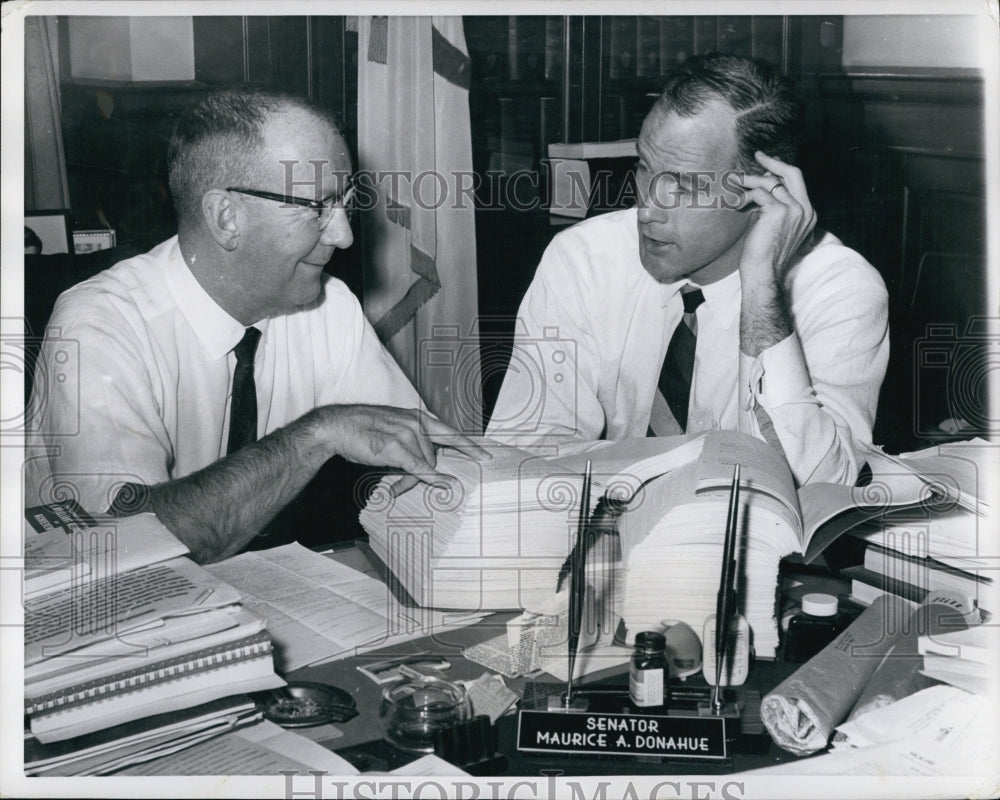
500	542
135	630
672	540
497	543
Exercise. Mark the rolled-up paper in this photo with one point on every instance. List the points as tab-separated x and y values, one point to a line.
899	674
802	711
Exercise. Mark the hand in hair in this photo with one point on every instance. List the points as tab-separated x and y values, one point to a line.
785	218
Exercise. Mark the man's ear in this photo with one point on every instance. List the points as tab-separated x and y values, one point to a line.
222	218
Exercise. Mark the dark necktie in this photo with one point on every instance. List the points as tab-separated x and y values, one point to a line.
243	409
678	366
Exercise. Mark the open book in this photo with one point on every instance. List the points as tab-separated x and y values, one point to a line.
499	543
672	531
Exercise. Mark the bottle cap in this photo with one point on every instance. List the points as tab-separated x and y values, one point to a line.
818	604
650	640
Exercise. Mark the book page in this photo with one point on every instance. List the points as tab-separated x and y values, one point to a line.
830	509
652	503
108	607
622	467
762	468
966	471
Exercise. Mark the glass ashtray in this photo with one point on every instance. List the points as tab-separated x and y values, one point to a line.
413	709
302	704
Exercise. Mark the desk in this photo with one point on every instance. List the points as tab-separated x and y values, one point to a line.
365	730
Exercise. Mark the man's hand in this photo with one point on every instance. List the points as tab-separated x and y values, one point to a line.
393	437
784	219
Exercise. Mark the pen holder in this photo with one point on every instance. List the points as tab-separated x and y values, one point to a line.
413	710
471	746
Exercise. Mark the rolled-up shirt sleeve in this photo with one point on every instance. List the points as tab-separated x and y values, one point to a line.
815	393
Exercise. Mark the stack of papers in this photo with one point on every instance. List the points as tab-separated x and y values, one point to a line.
136	631
502	539
968	659
950	543
498	543
320	610
672	549
110	750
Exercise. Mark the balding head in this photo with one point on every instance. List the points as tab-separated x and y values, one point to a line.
220	142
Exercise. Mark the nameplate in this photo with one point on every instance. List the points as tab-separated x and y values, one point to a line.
587	733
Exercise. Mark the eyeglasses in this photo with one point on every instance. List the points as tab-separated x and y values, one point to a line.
324	208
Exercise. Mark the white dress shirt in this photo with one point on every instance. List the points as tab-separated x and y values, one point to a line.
135	377
594	326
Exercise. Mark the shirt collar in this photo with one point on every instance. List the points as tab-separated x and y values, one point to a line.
722	296
216	329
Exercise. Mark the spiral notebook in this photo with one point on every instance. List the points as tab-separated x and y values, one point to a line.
242	666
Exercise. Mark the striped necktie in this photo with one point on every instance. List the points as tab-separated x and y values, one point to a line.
678	366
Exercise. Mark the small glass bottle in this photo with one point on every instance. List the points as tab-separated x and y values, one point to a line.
814	627
648	679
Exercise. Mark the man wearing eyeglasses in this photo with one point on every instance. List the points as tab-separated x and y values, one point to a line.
217	373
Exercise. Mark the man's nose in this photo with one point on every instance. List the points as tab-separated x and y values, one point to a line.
338	232
651	210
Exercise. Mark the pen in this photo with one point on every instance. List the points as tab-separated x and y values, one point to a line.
576	585
725	604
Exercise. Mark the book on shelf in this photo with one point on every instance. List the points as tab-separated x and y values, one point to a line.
621	148
676	41
208	673
647	63
765	37
734	34
554	47
527	43
706	34
108	750
621	48
499	542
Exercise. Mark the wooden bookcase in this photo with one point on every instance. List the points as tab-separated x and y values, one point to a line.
894	159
